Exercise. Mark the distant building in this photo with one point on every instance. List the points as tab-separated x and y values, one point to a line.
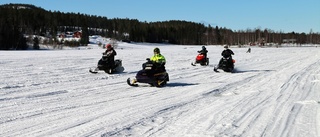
69	34
77	34
289	40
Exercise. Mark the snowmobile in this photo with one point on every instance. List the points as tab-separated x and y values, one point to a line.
150	74
105	65
226	64
200	59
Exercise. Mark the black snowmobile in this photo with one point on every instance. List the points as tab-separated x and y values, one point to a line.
225	64
150	74
107	66
201	59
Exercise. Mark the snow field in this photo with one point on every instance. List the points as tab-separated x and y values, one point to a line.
274	92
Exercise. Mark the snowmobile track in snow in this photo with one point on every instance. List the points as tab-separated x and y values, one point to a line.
274	92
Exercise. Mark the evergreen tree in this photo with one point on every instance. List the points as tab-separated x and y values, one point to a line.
16	22
218	35
36	43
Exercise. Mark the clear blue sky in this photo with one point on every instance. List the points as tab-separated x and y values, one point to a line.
278	15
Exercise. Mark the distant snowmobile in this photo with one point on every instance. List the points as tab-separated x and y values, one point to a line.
226	64
108	67
151	75
201	59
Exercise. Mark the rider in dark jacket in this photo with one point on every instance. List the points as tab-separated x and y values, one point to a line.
226	53
204	52
109	54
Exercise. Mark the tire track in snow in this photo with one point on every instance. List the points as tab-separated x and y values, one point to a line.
162	115
195	102
183	74
297	88
238	125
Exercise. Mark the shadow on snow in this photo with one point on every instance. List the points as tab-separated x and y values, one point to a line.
245	71
177	84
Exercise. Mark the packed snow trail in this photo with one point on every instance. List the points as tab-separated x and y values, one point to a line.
274	92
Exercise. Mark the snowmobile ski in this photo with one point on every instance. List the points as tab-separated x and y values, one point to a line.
219	70
216	70
93	71
132	82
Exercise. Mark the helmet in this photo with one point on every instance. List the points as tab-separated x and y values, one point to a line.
108	46
157	50
226	46
203	47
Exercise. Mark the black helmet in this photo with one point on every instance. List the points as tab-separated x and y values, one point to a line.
157	50
203	48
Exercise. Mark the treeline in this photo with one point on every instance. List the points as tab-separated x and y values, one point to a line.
20	20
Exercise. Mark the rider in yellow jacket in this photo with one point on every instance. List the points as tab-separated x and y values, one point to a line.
158	59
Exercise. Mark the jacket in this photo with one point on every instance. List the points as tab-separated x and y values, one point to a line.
109	54
227	53
203	51
158	58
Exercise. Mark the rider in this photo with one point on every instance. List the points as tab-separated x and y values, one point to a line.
204	52
226	53
109	54
249	50
158	60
